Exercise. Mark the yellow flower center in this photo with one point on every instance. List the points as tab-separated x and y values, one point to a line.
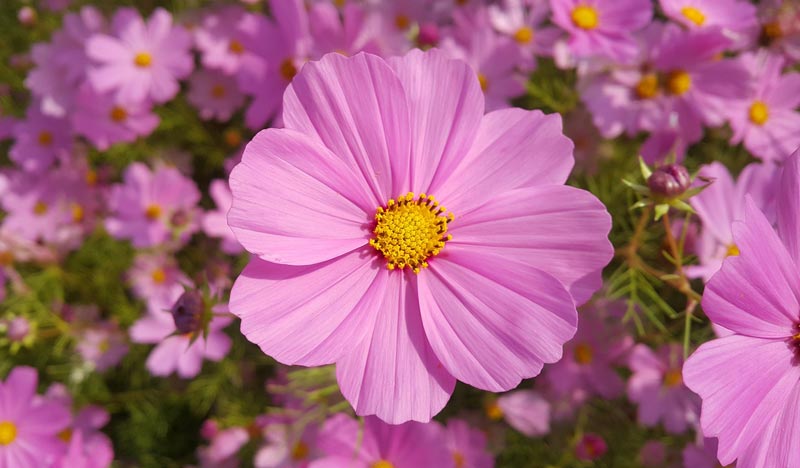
143	59
759	113
288	70
410	230
773	30
585	17
40	208
232	137
300	451
494	412
77	213
694	15
733	251
678	82
458	459
158	275
218	91
524	35
484	82
236	47
91	177
647	87
45	138
382	464
673	378
65	435
402	22
118	114
152	212
583	354
8	432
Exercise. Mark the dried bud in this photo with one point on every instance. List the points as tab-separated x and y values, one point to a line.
188	312
669	181
591	447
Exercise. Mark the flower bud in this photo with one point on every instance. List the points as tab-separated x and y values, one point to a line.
428	34
18	329
188	312
591	447
669	181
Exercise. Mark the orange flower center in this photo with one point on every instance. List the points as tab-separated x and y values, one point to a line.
583	354
678	82
694	15
524	35
585	17
143	60
118	114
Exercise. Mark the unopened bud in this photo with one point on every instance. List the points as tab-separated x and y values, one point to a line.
669	181
591	447
188	312
428	34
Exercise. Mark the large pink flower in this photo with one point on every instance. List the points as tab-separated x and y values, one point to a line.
749	381
486	295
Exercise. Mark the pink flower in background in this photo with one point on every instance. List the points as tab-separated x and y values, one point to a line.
377	444
140	60
223	449
157	280
467	445
221	37
766	119
87	443
39	141
524	22
602	28
722	203
657	387
422	131
702	455
215	95
104	122
153	207
780	26
590	447
288	443
653	454
215	222
525	411
29	425
352	30
736	18
748	381
103	345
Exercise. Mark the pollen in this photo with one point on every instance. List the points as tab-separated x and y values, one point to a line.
483	81
410	230
118	114
382	464
287	69
759	113
45	138
143	60
218	91
694	15
158	275
678	82
236	47
585	17
673	378
732	251
8	432
647	87
583	354
524	35
152	212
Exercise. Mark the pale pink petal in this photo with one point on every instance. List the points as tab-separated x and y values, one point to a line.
788	205
164	358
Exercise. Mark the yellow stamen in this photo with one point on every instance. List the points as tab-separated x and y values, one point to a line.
484	82
583	354
382	464
694	15
118	114
218	91
65	435
458	459
759	113
733	251
585	17
524	35
40	208
158	275
143	59
647	87
236	47
410	230
288	70
300	451
402	22
773	30
45	138
494	412
673	378
77	213
678	82
153	212
8	432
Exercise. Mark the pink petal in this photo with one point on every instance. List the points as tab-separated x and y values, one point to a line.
18	390
356	107
312	209
392	371
787	203
164	358
493	322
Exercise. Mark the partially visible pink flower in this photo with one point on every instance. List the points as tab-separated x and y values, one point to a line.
223	449
701	455
27	16
525	411
590	447
221	37
88	444
103	345
736	18
157	280
780	26
288	443
467	445
524	22
29	425
57	5
657	387
39	141
215	95
104	122
215	223
140	60
348	32
153	207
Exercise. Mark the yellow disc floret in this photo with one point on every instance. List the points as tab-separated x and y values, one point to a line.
647	87
759	113
409	230
733	251
694	15
523	35
678	82
585	17
8	432
300	451
483	81
143	59
45	138
673	378
583	354
118	114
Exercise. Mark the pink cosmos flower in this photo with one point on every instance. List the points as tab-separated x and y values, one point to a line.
224	447
350	31
766	120
288	443
736	18
722	203
602	27
368	143
29	425
467	446
153	207
87	443
102	346
104	122
39	141
215	95
748	381
657	387
523	21
221	35
377	444
215	222
780	26
525	411
140	60
702	455
157	280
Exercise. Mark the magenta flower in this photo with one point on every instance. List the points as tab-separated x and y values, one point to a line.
467	446
380	445
153	207
140	60
657	387
104	122
722	203
766	120
29	425
223	449
215	222
215	95
87	443
748	381
39	141
736	18
590	447
367	146
602	27
525	411
157	280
